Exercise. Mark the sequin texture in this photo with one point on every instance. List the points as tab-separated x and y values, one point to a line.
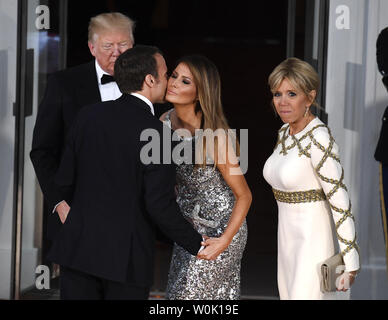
207	201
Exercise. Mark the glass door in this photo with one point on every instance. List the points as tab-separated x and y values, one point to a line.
8	48
39	52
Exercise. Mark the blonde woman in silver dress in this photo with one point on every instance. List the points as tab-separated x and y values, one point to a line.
213	199
308	183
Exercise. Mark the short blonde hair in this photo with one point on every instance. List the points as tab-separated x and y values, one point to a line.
301	75
109	22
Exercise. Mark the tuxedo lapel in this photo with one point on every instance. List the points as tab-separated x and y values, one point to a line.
87	91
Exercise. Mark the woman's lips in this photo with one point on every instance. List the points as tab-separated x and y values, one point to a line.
171	92
285	111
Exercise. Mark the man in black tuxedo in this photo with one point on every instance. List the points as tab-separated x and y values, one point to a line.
106	245
67	92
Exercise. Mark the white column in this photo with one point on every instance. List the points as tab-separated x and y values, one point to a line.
355	101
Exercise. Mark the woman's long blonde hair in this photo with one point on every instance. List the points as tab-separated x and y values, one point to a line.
208	83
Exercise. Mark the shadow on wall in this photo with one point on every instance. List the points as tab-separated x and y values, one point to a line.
6	166
372	281
366	121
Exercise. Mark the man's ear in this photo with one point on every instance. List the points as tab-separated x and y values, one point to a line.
91	48
149	80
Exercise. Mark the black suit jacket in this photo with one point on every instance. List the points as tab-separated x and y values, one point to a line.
381	153
108	232
67	91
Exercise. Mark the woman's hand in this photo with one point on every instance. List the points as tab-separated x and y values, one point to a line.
214	247
346	280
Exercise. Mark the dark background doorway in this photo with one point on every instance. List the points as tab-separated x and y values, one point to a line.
246	40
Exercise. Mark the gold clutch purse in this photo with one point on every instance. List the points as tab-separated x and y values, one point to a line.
330	271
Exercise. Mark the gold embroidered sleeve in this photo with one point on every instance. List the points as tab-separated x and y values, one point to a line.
326	162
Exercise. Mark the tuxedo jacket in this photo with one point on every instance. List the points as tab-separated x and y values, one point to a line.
115	196
67	91
381	153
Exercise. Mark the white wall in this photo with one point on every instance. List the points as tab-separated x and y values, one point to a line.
355	101
8	37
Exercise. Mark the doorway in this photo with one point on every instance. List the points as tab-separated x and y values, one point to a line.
37	47
245	43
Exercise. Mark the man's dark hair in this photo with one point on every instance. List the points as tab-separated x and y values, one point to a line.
133	65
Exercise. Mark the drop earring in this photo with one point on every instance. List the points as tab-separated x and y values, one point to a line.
306	112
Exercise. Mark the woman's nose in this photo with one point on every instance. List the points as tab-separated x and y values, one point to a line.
283	100
173	82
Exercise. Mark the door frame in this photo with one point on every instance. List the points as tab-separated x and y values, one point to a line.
19	114
316	32
23	99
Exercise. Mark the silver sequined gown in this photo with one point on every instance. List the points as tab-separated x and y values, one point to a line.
205	199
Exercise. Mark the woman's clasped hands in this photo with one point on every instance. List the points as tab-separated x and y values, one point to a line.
213	247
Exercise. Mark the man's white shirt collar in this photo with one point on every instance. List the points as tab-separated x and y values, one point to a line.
108	91
145	100
99	72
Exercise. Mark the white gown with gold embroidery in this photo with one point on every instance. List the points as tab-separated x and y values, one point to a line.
308	183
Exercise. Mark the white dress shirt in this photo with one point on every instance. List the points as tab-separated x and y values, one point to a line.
108	91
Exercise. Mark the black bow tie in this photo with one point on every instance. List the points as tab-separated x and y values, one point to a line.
106	78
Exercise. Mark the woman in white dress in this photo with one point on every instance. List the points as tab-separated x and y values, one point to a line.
308	183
